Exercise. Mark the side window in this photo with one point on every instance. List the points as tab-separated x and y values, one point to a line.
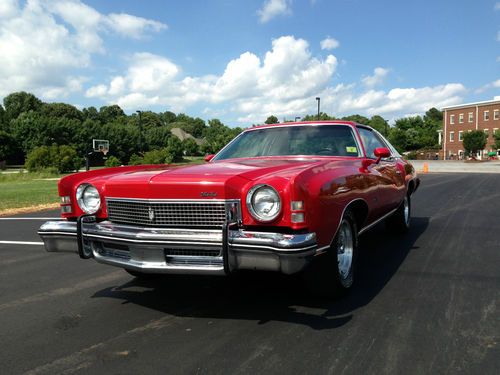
371	141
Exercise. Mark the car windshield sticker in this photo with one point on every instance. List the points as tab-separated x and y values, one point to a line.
351	149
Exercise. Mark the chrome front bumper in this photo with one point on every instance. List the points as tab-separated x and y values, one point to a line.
182	251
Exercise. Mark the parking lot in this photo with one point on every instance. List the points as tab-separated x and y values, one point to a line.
426	302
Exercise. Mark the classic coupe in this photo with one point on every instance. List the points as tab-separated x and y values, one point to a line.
291	197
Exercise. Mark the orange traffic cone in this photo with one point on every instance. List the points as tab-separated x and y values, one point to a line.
426	168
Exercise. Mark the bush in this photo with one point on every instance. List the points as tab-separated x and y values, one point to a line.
58	158
135	160
163	156
175	149
112	162
412	155
190	147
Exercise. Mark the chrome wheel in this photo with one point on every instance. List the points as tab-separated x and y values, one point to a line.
345	251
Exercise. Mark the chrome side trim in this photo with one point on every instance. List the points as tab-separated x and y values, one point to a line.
377	221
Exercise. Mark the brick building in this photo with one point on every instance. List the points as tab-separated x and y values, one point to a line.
459	119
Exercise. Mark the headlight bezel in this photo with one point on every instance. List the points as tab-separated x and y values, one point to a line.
80	199
250	203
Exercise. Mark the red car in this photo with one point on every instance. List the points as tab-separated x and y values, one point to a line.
288	197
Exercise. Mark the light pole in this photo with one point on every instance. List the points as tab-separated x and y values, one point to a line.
297	118
318	99
140	131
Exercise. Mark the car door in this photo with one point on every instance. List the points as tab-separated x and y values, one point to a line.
390	182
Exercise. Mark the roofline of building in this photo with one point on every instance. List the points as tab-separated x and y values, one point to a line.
486	102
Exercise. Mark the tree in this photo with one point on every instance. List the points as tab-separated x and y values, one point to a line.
322	117
7	145
175	149
61	110
110	113
20	102
380	124
474	141
357	118
496	138
190	147
157	138
271	120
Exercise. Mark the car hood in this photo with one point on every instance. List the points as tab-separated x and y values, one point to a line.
221	179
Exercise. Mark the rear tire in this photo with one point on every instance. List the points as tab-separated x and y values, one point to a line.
400	221
332	274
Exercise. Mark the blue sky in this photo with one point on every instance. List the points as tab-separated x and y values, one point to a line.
242	61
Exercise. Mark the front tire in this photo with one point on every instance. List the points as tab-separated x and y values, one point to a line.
400	221
332	274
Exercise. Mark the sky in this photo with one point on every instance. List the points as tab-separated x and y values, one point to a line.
244	60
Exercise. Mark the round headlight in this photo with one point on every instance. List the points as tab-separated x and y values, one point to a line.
88	198
263	202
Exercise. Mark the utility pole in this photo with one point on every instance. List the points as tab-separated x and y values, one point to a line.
318	99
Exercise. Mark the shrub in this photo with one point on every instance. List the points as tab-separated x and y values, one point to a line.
190	147
112	161
175	148
61	158
135	160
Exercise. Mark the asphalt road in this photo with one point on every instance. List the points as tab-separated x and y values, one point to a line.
426	302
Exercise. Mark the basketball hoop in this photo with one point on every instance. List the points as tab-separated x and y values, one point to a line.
101	145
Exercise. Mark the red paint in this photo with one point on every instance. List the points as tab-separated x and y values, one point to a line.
325	184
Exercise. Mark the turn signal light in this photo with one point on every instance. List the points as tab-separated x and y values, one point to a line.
65	200
297	217
297	205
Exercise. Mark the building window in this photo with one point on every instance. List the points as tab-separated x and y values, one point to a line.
486	131
486	115
452	136
471	116
452	119
461	118
460	135
495	130
496	114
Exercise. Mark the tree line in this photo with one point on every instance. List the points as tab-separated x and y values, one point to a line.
28	124
61	134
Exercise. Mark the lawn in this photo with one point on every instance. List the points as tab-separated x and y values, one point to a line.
21	190
26	190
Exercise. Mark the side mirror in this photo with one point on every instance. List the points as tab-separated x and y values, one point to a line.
209	157
382	152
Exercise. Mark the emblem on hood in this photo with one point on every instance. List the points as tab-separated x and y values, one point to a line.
151	214
206	194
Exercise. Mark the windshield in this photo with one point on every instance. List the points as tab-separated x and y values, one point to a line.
320	140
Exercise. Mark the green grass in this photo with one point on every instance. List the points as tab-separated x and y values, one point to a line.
19	190
26	190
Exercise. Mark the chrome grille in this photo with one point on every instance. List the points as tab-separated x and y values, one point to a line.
164	213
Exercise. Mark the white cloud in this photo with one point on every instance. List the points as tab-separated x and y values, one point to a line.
51	43
133	26
377	78
279	81
497	6
488	86
329	43
9	8
284	83
273	8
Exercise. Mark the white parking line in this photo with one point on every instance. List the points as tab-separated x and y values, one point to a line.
30	218
21	243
